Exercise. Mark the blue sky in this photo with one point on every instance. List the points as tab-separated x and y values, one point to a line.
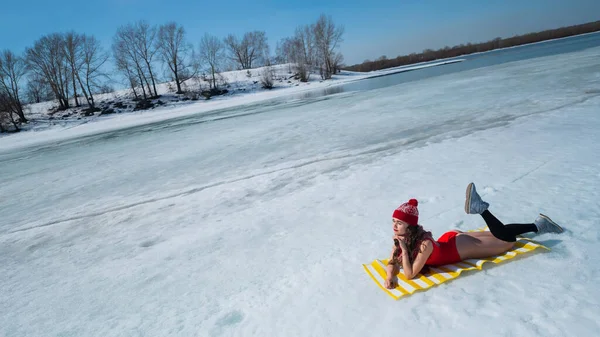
372	28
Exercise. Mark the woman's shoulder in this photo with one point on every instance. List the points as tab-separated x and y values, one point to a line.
427	238
427	243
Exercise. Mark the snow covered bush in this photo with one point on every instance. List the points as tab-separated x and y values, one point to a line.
266	78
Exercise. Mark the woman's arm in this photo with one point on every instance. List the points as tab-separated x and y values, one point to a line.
393	260
392	268
412	270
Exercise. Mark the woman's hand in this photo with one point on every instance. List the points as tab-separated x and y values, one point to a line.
401	243
391	282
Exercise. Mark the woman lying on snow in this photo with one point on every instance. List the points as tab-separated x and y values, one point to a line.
415	247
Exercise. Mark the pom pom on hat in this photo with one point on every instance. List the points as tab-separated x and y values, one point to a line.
408	212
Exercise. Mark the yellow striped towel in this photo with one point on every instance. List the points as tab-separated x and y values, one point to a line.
438	275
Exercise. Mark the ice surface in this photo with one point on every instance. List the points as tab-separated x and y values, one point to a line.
258	225
245	91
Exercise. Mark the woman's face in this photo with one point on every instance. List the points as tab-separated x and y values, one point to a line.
399	226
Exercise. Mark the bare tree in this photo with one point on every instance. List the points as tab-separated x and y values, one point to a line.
300	55
299	50
338	62
6	113
284	51
3	117
134	46
128	60
328	36
85	57
305	43
72	52
127	67
268	59
302	66
128	70
251	50
38	90
145	46
12	70
175	52
211	55
46	59
93	58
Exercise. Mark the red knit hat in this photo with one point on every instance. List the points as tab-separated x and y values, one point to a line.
408	212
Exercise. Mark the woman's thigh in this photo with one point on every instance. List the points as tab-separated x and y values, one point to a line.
476	245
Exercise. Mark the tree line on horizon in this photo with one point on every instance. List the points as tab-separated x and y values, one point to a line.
464	49
72	68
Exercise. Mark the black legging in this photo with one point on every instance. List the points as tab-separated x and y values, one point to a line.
503	232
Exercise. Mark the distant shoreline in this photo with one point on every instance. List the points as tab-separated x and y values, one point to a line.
429	55
531	44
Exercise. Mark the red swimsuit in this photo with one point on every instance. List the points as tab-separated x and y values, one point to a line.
444	250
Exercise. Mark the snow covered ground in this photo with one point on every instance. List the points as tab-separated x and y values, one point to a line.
257	225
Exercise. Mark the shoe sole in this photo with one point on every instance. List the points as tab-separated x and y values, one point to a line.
552	222
468	199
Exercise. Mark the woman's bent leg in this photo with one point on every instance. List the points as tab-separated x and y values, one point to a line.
477	245
506	233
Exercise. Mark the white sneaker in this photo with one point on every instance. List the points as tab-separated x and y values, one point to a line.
473	202
545	225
